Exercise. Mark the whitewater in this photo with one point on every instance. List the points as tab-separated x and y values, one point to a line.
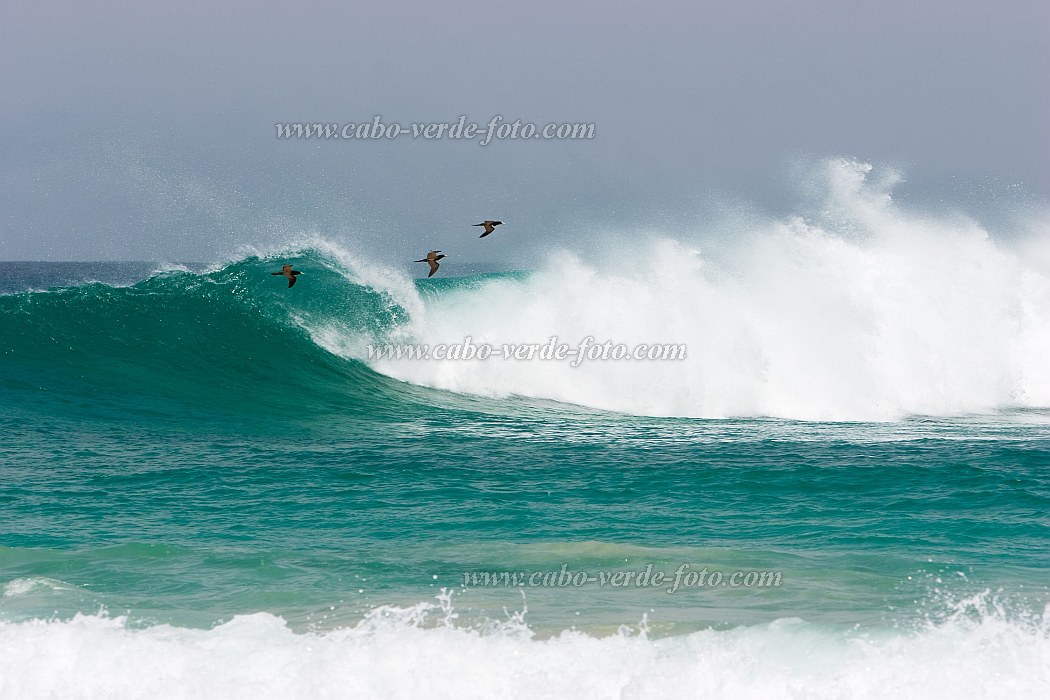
391	655
868	312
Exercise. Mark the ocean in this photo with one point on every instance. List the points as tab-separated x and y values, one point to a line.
208	489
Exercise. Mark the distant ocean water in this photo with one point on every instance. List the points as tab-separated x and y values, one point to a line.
208	490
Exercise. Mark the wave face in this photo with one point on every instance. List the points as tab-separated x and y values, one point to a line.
862	312
228	341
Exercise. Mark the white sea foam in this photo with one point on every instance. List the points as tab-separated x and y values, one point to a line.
21	586
863	311
393	653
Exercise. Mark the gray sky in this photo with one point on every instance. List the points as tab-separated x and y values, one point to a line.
145	130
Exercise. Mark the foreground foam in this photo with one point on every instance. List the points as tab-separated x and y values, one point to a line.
396	653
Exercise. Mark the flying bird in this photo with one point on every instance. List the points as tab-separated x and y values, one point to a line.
432	260
490	226
288	272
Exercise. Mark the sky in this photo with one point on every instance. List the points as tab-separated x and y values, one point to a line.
139	130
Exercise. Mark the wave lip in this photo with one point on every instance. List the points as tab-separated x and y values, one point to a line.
227	340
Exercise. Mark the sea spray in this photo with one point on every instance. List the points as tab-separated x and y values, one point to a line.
867	312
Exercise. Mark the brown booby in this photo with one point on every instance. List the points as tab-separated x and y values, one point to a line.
288	272
490	226
432	260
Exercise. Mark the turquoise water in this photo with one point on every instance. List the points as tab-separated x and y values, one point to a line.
189	450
